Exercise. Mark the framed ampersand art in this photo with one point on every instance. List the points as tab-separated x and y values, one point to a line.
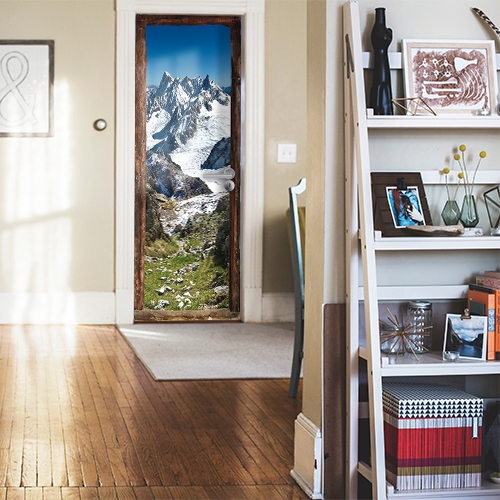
26	88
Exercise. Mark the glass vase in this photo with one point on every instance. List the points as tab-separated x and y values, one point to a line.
468	215
451	213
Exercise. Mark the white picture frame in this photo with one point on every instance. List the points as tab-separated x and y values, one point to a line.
468	337
26	88
451	76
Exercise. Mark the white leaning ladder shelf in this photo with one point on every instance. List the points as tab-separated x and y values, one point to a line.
362	243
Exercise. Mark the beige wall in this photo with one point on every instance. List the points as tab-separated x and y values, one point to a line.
56	226
285	122
315	234
57	193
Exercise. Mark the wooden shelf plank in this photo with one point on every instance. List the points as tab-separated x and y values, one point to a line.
430	292
396	60
430	364
430	122
488	489
412	243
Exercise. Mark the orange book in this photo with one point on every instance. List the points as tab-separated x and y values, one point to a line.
487	303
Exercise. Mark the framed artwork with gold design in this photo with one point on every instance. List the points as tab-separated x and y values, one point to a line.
457	76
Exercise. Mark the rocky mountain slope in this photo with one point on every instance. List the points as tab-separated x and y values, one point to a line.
188	268
220	156
187	226
166	177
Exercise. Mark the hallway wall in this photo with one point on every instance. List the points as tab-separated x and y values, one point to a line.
57	193
57	220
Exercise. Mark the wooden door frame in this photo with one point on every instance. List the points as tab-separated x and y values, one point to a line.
252	13
234	24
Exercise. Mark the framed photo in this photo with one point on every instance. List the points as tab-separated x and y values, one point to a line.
26	88
400	202
467	336
456	76
405	206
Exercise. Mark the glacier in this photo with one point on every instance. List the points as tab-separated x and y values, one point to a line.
186	118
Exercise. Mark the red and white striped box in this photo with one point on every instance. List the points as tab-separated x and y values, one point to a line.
432	436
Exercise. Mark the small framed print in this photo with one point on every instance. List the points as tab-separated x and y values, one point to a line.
405	206
26	88
456	76
467	336
400	202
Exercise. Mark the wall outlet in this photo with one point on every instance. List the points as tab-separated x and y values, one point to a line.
287	153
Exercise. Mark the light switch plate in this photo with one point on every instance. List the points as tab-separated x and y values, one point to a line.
287	153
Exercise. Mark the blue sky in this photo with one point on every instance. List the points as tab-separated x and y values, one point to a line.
189	51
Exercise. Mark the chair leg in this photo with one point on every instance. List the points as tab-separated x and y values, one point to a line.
297	358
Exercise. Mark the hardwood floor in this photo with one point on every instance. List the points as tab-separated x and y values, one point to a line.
81	418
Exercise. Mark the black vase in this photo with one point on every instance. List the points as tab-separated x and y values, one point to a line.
381	93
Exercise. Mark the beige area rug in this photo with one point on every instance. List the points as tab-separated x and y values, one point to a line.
194	351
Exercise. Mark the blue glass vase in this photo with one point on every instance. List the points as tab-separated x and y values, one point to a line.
468	215
451	213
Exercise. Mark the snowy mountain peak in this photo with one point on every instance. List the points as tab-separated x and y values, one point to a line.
165	83
179	107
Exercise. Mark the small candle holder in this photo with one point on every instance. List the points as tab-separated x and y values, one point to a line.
451	355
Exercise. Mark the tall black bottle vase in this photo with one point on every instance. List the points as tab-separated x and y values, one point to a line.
381	93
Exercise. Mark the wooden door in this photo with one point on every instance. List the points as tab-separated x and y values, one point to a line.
142	313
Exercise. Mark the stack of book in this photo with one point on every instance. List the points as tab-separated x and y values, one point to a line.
484	300
433	436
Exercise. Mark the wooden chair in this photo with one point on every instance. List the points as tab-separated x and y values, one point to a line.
297	233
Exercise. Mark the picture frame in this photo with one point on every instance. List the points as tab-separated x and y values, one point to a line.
451	76
466	335
400	201
26	88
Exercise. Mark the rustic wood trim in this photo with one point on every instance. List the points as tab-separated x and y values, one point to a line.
140	161
234	198
234	23
334	381
149	315
188	20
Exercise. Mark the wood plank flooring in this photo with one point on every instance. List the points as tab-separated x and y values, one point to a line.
81	418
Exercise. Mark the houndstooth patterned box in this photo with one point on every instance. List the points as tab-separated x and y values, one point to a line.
432	436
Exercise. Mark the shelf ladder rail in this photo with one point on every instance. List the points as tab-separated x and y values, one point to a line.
358	173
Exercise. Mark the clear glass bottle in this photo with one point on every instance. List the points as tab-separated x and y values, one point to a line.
420	326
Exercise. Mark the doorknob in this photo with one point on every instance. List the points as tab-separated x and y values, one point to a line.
223	178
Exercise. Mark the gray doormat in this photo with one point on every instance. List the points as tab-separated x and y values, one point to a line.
194	351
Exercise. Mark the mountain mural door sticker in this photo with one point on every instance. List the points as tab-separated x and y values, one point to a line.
188	109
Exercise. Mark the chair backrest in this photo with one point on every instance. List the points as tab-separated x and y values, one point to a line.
297	230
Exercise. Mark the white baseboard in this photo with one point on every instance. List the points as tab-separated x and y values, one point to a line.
308	462
102	307
64	308
279	307
124	307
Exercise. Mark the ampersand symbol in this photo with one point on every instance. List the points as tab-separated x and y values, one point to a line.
12	88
